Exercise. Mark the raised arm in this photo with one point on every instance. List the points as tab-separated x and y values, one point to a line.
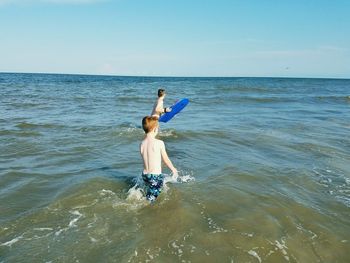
160	108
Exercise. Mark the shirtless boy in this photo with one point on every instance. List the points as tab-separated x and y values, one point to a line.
158	108
153	152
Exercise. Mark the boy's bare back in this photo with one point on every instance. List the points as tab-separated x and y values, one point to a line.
151	151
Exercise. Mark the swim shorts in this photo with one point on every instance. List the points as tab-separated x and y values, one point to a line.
153	185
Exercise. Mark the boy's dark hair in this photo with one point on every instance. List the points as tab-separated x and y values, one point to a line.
161	92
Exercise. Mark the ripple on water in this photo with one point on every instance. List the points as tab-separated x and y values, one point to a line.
335	183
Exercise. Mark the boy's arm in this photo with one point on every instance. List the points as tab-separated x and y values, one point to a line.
160	108
166	158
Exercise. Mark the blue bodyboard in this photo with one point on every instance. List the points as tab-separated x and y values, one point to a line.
175	109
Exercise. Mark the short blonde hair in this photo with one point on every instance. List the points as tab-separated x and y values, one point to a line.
149	123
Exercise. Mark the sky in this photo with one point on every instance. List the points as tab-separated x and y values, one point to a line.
229	38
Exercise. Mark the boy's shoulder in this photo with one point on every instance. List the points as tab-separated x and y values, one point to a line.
159	143
155	141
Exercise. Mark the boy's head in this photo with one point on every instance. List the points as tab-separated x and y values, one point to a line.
161	93
149	123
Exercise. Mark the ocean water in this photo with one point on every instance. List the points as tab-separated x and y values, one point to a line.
264	170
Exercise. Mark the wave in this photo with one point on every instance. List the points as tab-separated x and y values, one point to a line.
137	192
244	89
19	133
28	125
127	130
192	134
82	208
338	99
234	98
26	105
335	182
134	99
229	99
262	99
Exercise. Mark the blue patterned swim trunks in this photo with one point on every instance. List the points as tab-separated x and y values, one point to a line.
153	185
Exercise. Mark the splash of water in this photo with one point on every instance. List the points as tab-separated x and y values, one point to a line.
137	193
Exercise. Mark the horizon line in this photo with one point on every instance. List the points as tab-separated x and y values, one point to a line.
167	76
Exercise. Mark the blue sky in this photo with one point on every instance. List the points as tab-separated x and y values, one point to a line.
177	37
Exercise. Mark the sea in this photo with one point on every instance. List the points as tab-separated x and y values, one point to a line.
264	168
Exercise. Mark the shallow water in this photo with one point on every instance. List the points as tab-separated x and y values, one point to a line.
265	168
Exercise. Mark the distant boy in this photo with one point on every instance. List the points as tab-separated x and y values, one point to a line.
153	151
158	108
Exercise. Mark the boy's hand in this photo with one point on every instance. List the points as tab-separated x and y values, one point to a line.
168	109
175	174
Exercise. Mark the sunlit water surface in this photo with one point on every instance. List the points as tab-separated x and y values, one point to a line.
265	170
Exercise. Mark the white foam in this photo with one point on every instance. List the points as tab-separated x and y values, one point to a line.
187	178
73	221
270	253
57	233
302	229
153	254
43	228
254	254
93	222
343	199
181	177
135	255
135	193
92	204
170	179
168	133
213	225
11	242
178	250
347	180
282	247
105	192
135	199
136	196
127	130
247	234
94	240
193	248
